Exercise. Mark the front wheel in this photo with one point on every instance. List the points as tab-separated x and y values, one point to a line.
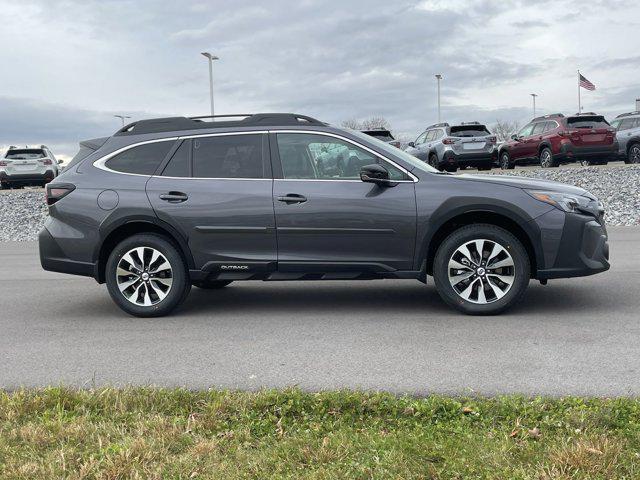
481	269
146	276
634	154
505	161
546	158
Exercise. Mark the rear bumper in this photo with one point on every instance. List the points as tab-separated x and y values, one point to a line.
582	250
53	259
469	159
27	177
569	152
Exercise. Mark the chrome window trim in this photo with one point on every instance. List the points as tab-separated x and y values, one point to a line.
340	137
100	162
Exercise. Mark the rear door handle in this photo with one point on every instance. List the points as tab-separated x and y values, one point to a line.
174	197
292	198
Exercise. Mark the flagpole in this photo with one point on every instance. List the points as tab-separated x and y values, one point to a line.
579	104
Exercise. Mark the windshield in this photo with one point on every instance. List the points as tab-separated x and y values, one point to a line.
396	152
25	154
596	121
469	131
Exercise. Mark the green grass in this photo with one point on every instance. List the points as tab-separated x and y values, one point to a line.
155	433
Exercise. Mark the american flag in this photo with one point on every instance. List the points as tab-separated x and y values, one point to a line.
584	83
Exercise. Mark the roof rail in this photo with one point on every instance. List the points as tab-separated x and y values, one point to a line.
11	146
550	115
169	124
436	125
629	114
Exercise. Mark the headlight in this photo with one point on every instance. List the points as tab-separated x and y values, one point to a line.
564	201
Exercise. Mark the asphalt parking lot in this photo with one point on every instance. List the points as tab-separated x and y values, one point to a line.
570	337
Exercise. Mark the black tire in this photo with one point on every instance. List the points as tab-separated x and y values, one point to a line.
180	283
433	161
633	155
212	284
5	186
484	168
505	161
520	272
593	163
546	158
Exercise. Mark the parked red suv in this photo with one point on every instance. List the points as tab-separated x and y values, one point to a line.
555	139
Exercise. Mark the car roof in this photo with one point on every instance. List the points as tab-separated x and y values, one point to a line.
180	124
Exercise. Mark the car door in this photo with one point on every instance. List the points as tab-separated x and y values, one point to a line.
520	149
535	139
337	223
217	191
416	150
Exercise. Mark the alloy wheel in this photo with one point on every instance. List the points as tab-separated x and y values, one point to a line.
481	271
634	154
545	158
504	161
144	276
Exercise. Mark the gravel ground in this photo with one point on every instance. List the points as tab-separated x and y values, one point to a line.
23	212
618	188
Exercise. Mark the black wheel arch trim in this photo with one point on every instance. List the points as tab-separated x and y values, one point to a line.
461	206
107	228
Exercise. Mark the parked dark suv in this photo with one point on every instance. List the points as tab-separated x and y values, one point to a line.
169	203
554	139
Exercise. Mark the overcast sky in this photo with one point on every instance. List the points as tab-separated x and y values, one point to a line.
66	67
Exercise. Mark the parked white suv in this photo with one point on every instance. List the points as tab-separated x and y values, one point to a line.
27	166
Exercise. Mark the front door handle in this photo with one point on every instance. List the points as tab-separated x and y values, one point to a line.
292	198
174	197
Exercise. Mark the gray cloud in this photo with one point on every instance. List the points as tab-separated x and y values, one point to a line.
82	61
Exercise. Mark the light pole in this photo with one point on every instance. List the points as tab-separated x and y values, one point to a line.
122	117
534	95
211	59
438	78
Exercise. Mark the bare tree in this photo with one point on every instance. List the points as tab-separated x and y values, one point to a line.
371	123
376	123
504	129
351	123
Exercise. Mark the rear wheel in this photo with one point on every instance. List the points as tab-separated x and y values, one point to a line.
433	161
505	161
634	154
546	158
212	284
481	269
146	276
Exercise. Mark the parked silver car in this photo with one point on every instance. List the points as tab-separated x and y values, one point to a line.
628	134
27	166
448	147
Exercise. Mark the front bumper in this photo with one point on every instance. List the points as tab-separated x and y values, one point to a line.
53	258
485	158
581	250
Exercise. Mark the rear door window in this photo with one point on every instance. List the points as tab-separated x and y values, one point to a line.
141	160
627	123
180	164
538	128
229	156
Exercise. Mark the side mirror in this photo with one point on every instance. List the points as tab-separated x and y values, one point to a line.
412	144
376	174
59	162
514	137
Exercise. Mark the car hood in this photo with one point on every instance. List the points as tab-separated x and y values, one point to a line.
527	183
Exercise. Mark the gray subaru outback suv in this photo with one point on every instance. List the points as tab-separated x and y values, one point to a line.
627	126
169	203
447	147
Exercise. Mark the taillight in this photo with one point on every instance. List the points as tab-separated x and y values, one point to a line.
3	163
448	141
47	161
57	191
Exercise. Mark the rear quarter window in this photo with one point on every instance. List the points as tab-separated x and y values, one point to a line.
140	160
